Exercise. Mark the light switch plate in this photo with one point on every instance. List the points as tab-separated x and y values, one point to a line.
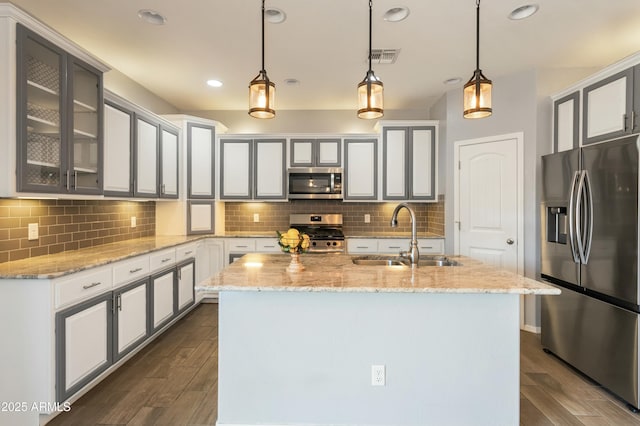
32	231
256	217
367	218
133	222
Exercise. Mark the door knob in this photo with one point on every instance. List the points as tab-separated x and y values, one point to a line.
509	241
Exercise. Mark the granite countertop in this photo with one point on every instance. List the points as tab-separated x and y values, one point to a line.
68	262
337	273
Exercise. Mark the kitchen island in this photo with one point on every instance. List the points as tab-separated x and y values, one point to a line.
299	348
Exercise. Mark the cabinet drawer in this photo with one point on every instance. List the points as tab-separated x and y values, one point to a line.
186	251
82	285
162	259
393	246
130	270
267	245
241	245
431	246
362	245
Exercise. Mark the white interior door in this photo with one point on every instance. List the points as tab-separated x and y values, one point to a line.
487	204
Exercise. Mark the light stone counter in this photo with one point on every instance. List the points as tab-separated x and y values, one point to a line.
68	262
337	273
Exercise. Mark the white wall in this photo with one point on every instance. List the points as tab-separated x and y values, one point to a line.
122	85
521	103
305	121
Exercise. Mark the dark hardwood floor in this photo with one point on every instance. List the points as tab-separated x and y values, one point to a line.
173	381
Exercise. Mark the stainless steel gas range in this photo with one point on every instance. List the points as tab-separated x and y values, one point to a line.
324	230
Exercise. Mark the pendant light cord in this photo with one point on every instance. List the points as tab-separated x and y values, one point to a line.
263	71
370	33
477	35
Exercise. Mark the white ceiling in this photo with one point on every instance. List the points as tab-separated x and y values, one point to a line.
323	43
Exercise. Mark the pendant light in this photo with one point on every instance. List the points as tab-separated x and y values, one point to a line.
262	91
370	96
477	91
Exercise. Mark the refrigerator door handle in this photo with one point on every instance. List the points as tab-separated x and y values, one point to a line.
572	218
580	230
589	205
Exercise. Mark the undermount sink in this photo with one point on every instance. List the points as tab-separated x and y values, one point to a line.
378	260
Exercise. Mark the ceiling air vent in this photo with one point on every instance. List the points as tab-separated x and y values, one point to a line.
384	56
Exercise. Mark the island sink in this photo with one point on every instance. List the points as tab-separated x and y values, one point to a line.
378	260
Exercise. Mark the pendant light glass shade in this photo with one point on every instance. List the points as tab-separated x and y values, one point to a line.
477	92
262	96
262	91
370	90
477	96
370	97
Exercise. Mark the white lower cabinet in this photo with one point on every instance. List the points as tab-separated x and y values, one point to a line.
93	334
130	317
83	344
186	281
162	298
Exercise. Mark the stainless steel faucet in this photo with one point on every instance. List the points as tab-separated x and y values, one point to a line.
412	254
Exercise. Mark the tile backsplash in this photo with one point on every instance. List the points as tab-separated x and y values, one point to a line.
275	216
69	225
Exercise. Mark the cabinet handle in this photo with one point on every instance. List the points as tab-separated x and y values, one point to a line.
624	122
119	302
268	246
75	179
242	246
394	247
88	286
133	271
179	274
187	253
68	177
362	247
166	260
163	188
633	120
426	247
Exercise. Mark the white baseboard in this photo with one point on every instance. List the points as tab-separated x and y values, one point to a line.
531	329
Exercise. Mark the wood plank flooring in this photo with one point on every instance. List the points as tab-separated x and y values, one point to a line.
173	381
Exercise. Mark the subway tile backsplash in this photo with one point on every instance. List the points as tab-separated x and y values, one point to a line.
69	225
275	216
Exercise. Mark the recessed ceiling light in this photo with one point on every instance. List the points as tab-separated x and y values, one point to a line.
396	14
151	17
452	81
275	16
214	83
292	82
523	12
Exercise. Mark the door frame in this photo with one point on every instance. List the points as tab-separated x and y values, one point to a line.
519	137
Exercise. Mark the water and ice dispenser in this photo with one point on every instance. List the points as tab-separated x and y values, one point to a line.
557	225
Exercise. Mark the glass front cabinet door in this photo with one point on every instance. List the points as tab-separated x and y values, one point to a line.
59	119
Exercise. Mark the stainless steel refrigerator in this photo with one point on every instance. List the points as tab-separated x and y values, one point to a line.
589	249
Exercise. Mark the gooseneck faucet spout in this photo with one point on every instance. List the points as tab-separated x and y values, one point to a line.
412	254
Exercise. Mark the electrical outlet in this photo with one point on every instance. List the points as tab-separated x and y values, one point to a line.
256	217
32	231
133	222
367	218
378	376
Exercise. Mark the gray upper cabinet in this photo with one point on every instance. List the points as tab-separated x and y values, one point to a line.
252	169
146	150
235	169
316	152
409	163
361	169
168	162
566	123
608	107
200	161
59	119
118	141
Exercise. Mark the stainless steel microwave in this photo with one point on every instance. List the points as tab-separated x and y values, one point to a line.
315	183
